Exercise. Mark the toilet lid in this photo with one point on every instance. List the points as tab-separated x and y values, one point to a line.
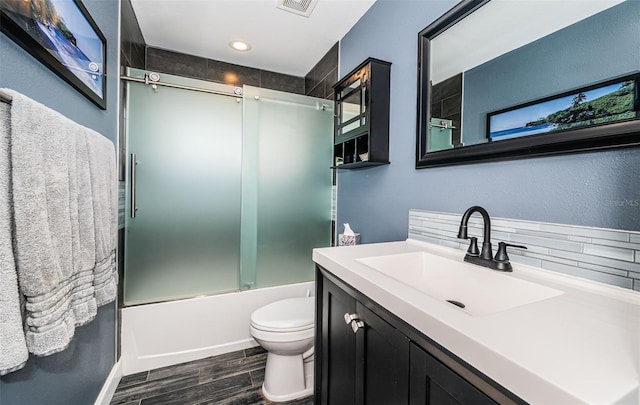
288	314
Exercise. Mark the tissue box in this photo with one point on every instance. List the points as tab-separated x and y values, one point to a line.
348	240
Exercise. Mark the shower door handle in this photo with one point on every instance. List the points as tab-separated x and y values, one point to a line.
132	184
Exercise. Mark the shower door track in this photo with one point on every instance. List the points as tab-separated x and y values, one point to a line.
237	93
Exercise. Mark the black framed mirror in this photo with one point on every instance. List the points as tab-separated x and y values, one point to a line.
503	80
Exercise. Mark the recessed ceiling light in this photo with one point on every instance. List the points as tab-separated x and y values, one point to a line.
239	45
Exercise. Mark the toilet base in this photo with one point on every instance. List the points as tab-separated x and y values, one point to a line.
289	397
287	378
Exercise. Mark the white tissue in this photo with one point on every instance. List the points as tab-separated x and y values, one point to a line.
348	231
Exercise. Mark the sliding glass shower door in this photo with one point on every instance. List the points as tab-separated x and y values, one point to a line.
286	207
224	193
185	182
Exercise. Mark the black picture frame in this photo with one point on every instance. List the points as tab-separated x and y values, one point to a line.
618	134
65	38
558	128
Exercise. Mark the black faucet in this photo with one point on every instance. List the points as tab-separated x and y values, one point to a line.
485	257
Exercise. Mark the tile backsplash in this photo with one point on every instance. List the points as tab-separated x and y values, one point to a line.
606	255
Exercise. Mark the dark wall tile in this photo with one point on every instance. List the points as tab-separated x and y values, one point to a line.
132	41
181	64
320	79
436	109
317	91
217	71
447	88
282	82
436	93
329	81
446	98
310	83
328	62
124	59
229	73
329	96
138	55
452	105
332	77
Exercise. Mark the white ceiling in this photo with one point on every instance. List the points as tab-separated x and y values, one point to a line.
280	40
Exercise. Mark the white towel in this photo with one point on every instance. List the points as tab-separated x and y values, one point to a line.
13	350
83	234
102	164
42	151
63	179
40	178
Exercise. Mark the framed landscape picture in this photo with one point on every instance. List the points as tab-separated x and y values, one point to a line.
600	104
62	35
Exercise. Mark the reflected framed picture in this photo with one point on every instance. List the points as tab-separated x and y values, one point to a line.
62	35
600	104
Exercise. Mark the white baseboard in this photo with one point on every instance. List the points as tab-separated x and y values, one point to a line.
163	334
110	385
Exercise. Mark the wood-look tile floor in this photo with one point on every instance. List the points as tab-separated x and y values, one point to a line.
232	378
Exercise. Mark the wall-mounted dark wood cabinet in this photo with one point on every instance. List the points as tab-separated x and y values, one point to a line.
361	124
366	355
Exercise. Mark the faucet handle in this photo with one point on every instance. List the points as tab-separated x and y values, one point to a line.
501	254
473	247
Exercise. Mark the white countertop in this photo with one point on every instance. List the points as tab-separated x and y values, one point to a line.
580	347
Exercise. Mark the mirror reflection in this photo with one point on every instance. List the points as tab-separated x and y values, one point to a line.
515	69
352	108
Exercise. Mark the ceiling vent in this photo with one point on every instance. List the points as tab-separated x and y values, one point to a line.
300	7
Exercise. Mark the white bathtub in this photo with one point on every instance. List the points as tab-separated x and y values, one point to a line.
158	335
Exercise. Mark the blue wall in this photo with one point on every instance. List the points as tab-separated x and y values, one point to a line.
590	189
565	60
76	375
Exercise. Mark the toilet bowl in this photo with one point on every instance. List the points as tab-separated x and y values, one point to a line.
285	329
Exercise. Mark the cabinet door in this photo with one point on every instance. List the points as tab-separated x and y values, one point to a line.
338	384
382	373
434	383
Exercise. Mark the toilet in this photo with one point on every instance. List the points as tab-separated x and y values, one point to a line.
285	329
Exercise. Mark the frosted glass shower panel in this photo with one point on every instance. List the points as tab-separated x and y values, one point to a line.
185	238
290	207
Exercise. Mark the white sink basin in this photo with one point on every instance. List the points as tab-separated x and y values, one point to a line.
482	291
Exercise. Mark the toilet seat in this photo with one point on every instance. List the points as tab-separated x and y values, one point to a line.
286	330
288	315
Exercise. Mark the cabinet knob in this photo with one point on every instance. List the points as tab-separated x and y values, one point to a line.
356	325
350	317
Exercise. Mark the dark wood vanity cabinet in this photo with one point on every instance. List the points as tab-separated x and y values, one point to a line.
365	364
431	382
361	122
366	355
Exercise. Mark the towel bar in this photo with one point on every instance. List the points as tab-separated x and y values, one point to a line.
5	98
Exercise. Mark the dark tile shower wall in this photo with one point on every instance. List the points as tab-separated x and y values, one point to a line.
132	45
319	81
134	53
446	103
164	61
